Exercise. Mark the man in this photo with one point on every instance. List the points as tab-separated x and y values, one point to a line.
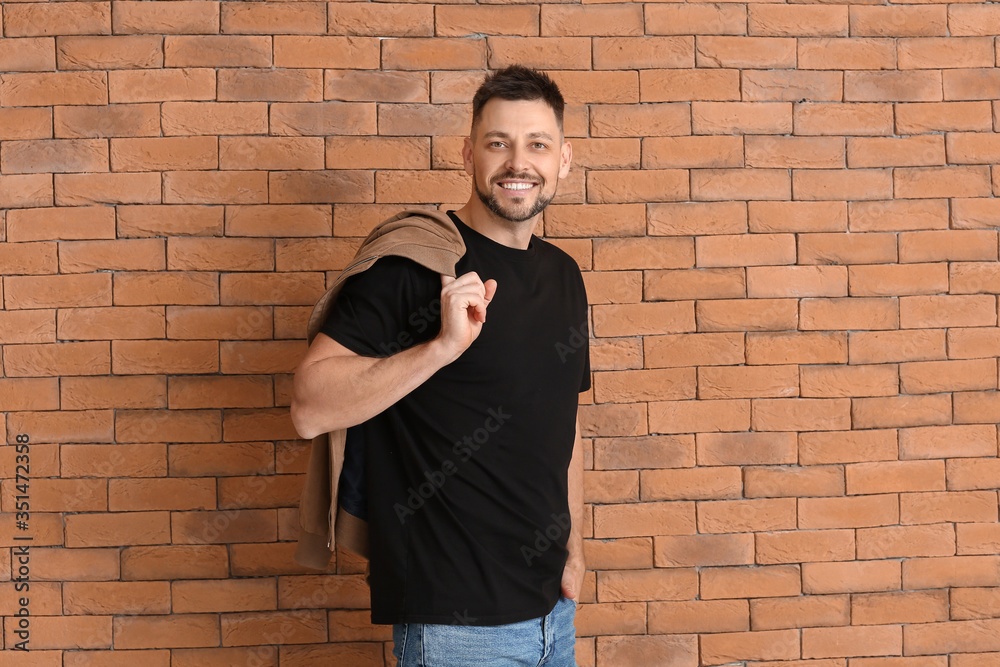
460	395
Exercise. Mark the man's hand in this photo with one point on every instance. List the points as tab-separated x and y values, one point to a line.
572	578
464	301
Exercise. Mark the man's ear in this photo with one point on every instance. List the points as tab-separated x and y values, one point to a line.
565	158
467	155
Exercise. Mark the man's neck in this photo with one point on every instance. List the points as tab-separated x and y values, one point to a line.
511	234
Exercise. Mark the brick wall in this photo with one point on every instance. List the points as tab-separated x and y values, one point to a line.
786	218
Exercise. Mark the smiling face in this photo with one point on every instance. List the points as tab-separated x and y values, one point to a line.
516	156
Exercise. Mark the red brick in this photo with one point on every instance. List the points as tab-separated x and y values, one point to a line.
147	460
805	546
762	645
296	19
806	611
60	632
615	187
248	288
132	495
947	442
118	52
29	54
286	85
385	20
946	310
968	84
857	118
745	52
690	218
433	53
695	284
745	448
901	607
463	21
759	582
43	89
215	187
704	550
47	19
855	184
793	481
850	381
598	87
851	577
899	21
791	20
870	313
946	52
972	343
557	53
315	187
741	118
696	616
895	476
115	597
174	562
901	411
646	52
218	51
924	117
644	519
120	529
740	184
26	123
691	484
930	377
747	315
29	258
643	452
954	636
895	152
902	86
618	618
645	585
958	506
699	416
45	359
681	651
846	53
113	120
867	347
85	189
848	512
186	17
164	154
679	85
954	571
177	220
791	86
898	215
696	19
805	347
191	288
173	631
852	641
756	515
174	84
748	381
210	118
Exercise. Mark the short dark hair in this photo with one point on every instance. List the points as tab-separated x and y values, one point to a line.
517	82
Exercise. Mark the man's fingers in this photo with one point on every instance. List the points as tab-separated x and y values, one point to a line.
446	280
491	289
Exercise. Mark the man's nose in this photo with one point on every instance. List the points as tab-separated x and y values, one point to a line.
517	160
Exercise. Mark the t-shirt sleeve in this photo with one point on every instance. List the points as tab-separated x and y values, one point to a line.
386	308
584	329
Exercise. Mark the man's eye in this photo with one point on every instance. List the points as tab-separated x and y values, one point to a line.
496	144
539	146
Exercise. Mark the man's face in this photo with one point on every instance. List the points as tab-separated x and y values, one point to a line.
516	157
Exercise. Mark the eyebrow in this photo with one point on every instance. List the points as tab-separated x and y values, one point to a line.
496	134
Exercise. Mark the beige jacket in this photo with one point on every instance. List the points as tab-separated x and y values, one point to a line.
431	239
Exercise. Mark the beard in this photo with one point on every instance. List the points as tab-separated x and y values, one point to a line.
517	213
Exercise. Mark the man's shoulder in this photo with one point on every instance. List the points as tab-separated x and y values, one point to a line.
549	252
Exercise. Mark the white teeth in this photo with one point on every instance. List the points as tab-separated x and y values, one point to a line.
516	186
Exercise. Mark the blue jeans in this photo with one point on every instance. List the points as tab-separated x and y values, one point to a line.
549	641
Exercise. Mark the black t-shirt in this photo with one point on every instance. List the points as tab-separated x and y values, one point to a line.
467	475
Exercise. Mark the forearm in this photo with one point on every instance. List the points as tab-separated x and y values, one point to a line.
340	391
575	498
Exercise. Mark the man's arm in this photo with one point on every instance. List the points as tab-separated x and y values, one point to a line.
335	388
572	579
